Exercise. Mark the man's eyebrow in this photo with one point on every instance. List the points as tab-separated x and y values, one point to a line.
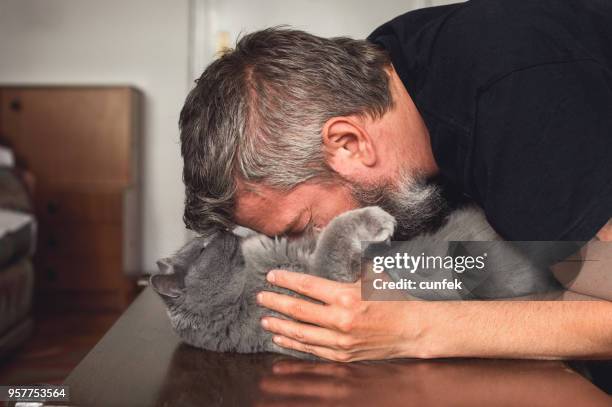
292	224
287	229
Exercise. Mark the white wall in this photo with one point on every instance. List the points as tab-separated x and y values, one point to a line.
354	18
137	42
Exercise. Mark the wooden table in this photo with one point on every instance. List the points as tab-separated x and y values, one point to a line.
140	362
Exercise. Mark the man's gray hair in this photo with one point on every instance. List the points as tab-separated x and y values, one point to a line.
257	112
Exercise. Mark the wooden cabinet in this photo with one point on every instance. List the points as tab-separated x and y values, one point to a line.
81	145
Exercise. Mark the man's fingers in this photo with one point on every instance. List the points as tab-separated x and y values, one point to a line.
296	308
298	367
318	288
305	386
308	334
320	351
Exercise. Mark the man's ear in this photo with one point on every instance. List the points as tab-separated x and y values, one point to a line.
166	285
348	146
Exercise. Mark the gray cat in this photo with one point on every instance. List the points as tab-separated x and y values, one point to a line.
210	285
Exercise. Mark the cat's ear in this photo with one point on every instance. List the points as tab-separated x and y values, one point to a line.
165	266
166	285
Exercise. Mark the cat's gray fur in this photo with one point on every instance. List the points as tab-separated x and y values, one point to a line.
210	285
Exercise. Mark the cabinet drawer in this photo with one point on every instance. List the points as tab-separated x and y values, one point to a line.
72	134
54	206
79	272
84	239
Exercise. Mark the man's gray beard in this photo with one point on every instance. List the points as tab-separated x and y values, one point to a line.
417	204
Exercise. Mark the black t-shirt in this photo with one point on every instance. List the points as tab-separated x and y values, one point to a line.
517	97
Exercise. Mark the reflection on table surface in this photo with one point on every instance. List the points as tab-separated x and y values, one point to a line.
196	378
141	362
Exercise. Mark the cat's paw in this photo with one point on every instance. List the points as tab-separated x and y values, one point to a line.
371	224
379	223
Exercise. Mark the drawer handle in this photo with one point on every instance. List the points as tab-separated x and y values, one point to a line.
52	242
15	105
51	274
52	207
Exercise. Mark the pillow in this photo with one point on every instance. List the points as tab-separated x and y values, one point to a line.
17	235
13	194
7	159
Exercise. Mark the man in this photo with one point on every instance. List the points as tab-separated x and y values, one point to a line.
508	102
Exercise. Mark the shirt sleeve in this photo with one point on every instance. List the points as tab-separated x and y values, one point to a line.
541	163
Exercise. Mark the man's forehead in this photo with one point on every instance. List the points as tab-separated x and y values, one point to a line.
249	204
262	208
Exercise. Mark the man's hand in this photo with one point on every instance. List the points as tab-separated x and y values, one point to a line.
342	328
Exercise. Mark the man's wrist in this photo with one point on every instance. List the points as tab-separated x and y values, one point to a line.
451	329
427	326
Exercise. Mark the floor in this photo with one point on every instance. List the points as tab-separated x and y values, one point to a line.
59	342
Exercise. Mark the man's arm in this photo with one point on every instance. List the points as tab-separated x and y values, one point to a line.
345	328
530	329
594	278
